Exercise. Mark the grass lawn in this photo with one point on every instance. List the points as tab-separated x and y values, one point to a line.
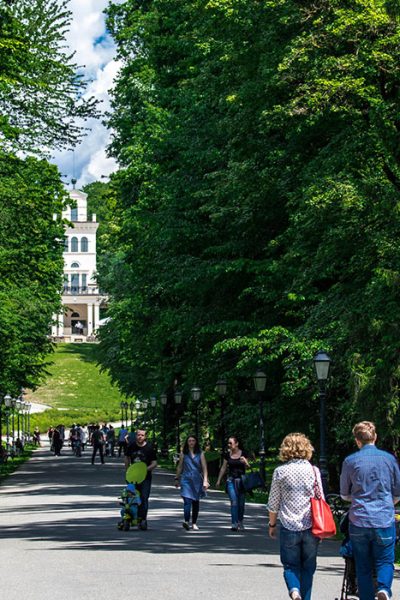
75	380
76	388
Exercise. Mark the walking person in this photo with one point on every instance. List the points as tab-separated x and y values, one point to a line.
236	463
57	441
192	478
142	451
290	501
370	480
123	432
98	444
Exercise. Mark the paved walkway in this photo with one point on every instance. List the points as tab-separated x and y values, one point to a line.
59	541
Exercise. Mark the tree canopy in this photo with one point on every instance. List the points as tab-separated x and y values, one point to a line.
257	203
41	89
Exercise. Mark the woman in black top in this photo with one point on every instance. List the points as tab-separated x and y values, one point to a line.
236	463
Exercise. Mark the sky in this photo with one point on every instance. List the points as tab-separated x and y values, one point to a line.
94	49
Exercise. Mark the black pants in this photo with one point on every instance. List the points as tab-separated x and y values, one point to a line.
100	448
144	489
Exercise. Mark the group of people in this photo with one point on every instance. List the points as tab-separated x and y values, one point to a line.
370	482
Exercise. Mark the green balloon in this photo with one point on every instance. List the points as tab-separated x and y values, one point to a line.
136	473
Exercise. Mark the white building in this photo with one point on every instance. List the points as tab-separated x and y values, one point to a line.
81	296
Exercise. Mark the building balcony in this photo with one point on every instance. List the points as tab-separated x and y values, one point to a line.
87	290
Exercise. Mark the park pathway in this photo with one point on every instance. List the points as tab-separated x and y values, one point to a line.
59	541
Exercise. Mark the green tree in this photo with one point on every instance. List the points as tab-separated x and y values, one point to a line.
41	89
31	266
257	202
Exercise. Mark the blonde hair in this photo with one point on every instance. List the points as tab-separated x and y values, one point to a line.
295	445
365	432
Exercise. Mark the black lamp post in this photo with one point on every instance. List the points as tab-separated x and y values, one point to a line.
8	405
221	387
131	408
164	449
322	363
196	395
145	404
28	413
137	406
122	406
178	401
18	405
153	404
260	382
13	405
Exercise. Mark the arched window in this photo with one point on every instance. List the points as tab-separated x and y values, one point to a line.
74	244
75	314
66	243
84	244
75	265
74	214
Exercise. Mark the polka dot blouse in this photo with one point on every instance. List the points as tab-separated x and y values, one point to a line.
291	490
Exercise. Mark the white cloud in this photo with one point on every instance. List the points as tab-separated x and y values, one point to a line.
95	53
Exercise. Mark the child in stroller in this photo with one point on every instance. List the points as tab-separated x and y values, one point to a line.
130	496
130	500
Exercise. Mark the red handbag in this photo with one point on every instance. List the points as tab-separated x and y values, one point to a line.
323	523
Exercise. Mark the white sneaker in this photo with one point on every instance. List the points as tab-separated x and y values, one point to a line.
195	527
295	595
382	595
240	526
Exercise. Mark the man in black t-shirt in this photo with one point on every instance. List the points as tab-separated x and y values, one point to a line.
141	451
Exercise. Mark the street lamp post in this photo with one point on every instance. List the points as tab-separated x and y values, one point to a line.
153	403
137	406
221	387
164	449
8	405
122	406
28	412
260	381
145	404
131	408
322	363
126	405
13	405
178	401
196	395
18	405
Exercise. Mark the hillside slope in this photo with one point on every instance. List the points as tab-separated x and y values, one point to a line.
75	381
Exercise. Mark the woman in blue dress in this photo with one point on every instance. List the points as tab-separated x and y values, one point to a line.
192	478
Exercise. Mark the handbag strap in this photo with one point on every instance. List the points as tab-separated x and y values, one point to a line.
317	491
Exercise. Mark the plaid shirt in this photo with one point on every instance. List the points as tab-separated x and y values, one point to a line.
370	478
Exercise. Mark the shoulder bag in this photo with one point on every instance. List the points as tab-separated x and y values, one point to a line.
251	481
323	523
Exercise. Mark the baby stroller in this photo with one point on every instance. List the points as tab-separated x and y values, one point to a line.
349	584
130	496
130	500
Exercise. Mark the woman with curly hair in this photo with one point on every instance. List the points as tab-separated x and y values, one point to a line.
289	501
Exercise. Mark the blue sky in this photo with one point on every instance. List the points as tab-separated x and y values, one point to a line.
95	50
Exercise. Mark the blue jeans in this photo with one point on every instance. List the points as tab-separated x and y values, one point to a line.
237	498
299	558
373	549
